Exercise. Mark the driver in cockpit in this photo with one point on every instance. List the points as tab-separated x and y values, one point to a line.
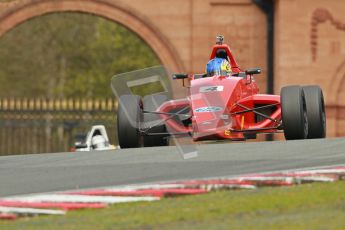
218	67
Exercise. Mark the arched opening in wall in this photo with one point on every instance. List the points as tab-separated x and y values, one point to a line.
17	12
55	73
69	55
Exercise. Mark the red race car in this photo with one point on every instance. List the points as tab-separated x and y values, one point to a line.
221	106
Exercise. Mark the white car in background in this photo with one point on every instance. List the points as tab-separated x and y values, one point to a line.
96	139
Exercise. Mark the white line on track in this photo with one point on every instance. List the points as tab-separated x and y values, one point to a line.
80	198
317	169
31	211
322	171
143	186
315	179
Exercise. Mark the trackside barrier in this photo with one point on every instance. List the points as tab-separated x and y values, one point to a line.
43	125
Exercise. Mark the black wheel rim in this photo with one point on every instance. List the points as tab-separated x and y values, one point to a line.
305	120
323	116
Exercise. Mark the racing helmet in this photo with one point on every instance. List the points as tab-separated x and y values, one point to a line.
98	142
218	67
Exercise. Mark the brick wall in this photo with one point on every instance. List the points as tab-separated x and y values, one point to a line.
309	37
310	49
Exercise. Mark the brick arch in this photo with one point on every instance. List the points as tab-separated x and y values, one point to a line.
20	11
322	15
336	104
337	80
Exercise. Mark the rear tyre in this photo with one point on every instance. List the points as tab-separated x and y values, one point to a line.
129	114
294	114
315	111
153	123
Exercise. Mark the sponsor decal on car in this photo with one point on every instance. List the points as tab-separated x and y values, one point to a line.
208	109
206	89
206	123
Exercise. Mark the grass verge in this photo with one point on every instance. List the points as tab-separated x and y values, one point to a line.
311	206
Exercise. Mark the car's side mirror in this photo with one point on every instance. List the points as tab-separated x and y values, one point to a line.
179	76
253	71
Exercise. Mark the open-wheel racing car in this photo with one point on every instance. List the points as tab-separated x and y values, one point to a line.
222	106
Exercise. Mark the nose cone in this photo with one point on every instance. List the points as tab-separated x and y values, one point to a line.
210	99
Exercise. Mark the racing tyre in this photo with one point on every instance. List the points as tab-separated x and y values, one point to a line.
152	122
129	115
315	111
294	114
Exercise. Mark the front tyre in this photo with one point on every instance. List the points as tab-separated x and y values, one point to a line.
315	111
129	115
294	114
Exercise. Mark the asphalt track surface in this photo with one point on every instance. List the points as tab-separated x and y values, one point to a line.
24	174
